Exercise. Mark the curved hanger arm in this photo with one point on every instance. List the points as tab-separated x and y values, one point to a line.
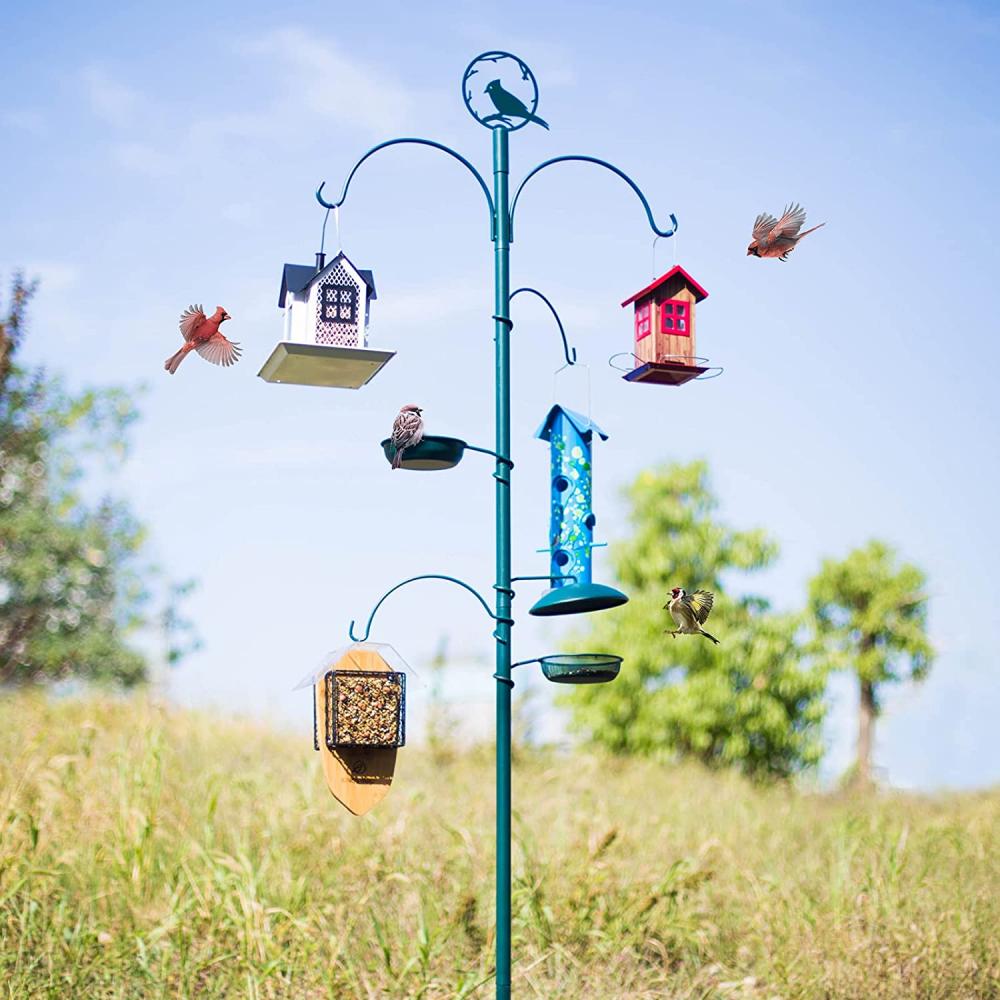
426	576
567	350
415	142
601	163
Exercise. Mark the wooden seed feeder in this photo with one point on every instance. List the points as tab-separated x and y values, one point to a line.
325	343
359	721
664	330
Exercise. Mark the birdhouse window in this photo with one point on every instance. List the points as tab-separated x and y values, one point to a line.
339	304
675	318
642	321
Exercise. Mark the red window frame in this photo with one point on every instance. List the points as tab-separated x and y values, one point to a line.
643	321
675	317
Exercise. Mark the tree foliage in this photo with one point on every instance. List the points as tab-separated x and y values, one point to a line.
71	589
755	701
870	616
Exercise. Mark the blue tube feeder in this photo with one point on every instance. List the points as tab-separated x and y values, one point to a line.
571	517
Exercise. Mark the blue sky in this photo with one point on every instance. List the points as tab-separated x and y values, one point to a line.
159	154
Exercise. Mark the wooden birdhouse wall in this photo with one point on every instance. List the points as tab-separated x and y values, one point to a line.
660	344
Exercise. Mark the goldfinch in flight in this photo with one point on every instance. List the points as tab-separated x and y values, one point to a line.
690	611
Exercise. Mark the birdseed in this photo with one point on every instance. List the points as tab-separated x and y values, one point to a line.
364	709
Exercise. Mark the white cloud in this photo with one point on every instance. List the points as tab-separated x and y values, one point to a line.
25	120
320	79
143	158
53	276
109	99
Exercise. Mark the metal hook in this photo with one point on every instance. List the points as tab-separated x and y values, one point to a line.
569	352
425	576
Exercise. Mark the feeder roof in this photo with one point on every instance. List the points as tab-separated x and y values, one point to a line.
699	292
296	278
584	425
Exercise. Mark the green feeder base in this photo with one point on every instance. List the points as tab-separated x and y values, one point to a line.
577	598
431	454
581	668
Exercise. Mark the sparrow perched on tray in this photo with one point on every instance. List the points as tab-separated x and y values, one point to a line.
690	611
407	431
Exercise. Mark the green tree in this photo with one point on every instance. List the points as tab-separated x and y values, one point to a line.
71	580
755	701
870	616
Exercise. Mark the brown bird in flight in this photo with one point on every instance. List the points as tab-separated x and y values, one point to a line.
201	334
773	237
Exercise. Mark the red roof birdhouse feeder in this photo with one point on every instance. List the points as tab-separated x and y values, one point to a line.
664	330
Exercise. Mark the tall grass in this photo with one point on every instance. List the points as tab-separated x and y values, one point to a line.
152	853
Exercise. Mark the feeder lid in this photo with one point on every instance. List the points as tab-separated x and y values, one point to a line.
323	365
699	292
433	453
584	425
354	654
576	599
296	278
581	668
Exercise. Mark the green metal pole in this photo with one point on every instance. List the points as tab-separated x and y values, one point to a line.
501	312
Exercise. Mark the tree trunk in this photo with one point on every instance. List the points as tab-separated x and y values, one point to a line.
866	734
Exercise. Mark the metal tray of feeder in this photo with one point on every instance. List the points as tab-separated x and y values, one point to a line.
433	453
365	708
581	668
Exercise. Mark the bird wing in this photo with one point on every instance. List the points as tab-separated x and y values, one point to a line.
762	226
191	319
404	427
791	221
700	603
219	350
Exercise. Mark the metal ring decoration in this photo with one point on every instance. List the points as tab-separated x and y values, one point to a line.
716	370
552	309
514	107
601	163
425	576
414	142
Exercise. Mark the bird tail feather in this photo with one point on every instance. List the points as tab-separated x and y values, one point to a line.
397	458
814	228
173	362
708	635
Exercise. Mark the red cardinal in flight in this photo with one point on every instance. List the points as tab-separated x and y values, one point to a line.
201	334
773	237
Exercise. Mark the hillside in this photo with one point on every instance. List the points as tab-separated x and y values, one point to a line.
153	853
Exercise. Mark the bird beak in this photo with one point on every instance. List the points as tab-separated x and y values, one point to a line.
749	252
487	90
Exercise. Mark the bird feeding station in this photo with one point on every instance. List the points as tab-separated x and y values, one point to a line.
502	95
664	330
326	308
359	722
571	517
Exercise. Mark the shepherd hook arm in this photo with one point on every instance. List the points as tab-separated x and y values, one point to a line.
601	163
567	350
426	576
416	142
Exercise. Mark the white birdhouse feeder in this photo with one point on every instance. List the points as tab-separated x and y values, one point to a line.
325	342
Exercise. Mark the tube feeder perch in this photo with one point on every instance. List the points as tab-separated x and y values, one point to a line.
571	518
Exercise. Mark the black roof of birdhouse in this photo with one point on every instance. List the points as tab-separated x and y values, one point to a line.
296	278
678	271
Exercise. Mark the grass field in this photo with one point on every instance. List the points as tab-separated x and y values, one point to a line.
147	853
